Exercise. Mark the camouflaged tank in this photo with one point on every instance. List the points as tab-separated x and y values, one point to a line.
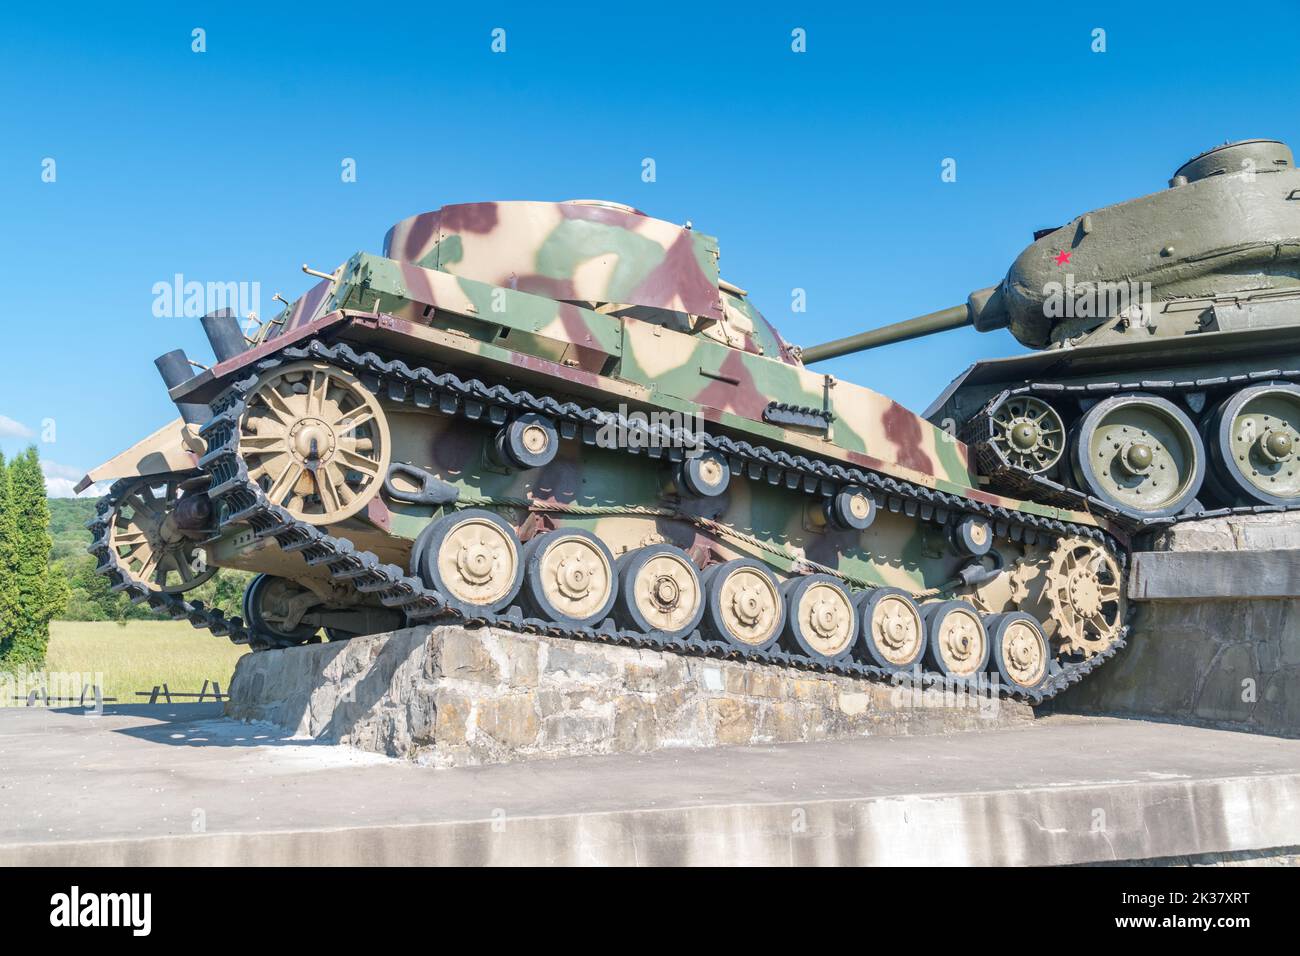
558	418
1165	384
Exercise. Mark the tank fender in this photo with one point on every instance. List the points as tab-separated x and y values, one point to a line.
174	447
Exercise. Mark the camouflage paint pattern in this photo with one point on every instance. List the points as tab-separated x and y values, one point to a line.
576	251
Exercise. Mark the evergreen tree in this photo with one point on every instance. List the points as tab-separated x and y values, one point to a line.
8	546
29	583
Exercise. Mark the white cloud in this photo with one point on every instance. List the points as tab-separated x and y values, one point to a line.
12	429
60	480
53	469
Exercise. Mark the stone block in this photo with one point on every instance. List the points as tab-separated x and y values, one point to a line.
510	721
734	720
577	729
449	696
635	727
463	655
854	704
1266	532
1209	575
579	663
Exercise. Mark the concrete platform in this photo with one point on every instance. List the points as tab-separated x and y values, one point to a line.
182	785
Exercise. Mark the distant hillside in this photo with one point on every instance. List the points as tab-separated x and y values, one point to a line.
68	517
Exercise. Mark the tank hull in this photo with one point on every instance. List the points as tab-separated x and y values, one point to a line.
443	438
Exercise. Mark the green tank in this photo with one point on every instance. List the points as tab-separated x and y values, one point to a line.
1164	382
557	417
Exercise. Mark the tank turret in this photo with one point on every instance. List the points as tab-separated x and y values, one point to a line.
1218	251
1166	376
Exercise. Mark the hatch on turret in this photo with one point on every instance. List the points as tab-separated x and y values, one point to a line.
1246	155
604	204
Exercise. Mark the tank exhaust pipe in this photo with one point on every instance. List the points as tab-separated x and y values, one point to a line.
224	334
175	369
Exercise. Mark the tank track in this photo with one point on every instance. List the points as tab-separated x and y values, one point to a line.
174	606
1037	487
240	501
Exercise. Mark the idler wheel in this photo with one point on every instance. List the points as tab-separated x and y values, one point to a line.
315	440
1020	653
957	643
743	604
151	546
893	631
820	620
472	558
1254	439
659	589
1139	453
569	577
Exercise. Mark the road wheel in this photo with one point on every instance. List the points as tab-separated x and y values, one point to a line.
957	644
1140	454
743	606
569	577
893	631
1019	651
472	558
1254	439
659	589
273	611
820	620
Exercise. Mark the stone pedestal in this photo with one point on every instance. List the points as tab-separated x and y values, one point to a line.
451	697
1216	637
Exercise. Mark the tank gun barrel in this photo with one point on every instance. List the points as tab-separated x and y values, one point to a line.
982	309
941	321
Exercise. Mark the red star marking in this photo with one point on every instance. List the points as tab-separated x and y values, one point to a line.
1062	258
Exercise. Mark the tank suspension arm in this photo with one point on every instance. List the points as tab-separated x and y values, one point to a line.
941	321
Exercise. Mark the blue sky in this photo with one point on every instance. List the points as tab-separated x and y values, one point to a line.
817	170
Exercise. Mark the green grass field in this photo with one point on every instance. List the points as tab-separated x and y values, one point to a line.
141	654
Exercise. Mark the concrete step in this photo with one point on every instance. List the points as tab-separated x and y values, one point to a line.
182	785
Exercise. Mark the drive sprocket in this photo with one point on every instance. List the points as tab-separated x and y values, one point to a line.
1077	592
